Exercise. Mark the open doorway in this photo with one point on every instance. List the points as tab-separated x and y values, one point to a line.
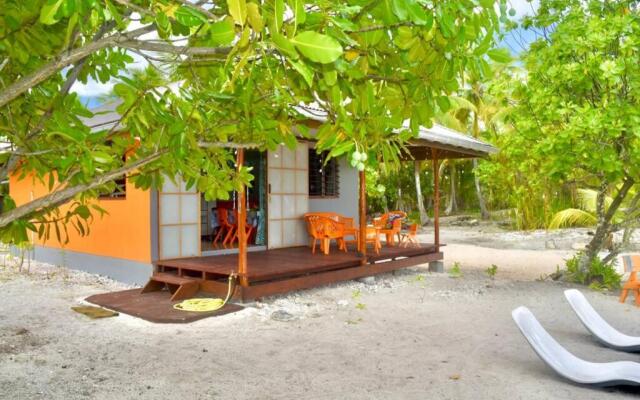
218	218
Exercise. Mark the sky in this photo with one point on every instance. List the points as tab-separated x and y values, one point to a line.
92	90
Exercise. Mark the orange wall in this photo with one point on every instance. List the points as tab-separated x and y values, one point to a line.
125	232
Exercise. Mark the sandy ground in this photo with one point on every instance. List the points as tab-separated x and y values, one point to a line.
411	335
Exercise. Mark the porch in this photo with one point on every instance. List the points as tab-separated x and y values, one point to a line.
283	270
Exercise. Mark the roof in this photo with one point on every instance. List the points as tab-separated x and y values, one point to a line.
447	142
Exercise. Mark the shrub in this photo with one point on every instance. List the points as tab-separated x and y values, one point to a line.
600	276
492	271
455	271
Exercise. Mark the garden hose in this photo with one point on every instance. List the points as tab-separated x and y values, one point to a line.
207	304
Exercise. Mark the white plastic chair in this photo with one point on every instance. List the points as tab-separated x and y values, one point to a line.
599	328
569	366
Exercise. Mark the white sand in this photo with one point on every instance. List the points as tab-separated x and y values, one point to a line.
412	335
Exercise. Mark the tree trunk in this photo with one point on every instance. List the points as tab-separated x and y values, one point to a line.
452	207
399	203
603	232
484	213
424	218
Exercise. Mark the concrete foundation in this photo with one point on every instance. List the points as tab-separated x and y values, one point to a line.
436	266
127	271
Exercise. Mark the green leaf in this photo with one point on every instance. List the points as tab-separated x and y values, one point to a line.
499	55
48	12
278	14
318	47
331	77
299	14
417	13
102	157
188	16
304	70
484	45
284	45
70	27
163	23
255	19
238	10
83	211
399	8
222	32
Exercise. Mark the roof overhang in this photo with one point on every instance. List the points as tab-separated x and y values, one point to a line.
445	142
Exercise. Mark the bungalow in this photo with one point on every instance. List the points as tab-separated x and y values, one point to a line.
176	231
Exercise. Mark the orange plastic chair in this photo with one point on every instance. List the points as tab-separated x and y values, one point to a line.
632	266
350	230
410	236
325	227
228	239
332	230
372	235
396	226
314	229
224	226
248	229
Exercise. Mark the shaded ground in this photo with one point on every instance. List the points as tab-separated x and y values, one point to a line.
412	335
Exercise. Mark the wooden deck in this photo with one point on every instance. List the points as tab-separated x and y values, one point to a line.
282	270
154	307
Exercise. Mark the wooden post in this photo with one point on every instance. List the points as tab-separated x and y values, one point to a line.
363	217
241	224
436	199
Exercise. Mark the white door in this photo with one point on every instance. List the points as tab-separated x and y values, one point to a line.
179	220
288	192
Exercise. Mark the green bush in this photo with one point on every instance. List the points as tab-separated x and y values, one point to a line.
600	276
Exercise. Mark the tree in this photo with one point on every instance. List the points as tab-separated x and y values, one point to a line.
577	109
424	218
240	74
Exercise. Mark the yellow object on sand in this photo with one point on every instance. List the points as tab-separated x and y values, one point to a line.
206	304
200	305
94	312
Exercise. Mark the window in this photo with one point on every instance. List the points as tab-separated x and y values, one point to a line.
120	191
324	179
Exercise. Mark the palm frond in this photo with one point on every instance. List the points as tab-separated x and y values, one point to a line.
571	217
462	103
450	121
588	199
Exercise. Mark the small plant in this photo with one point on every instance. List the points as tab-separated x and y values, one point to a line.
599	276
492	271
455	272
356	294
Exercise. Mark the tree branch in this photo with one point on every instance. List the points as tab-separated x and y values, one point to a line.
65	59
169	48
229	145
62	196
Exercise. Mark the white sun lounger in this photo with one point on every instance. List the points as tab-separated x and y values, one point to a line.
568	365
599	328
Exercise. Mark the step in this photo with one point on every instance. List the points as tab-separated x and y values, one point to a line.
172	279
181	287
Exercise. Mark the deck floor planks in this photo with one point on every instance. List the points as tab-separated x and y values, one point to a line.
288	262
154	307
